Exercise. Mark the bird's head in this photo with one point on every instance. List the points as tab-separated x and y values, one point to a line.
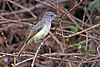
49	16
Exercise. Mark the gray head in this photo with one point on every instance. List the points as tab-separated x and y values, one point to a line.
49	16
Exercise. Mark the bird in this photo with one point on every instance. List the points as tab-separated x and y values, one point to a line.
40	30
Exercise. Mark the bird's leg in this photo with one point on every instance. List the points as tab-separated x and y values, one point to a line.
37	42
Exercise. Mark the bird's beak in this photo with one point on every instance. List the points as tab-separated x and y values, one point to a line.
57	17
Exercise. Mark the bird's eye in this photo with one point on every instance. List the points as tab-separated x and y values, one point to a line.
51	15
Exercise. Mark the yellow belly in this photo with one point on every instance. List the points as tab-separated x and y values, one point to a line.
41	34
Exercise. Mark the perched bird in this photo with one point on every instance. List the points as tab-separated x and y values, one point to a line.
40	30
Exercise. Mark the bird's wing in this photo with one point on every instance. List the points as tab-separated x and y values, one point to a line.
36	28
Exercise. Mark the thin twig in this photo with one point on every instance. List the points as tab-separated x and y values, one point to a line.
83	30
22	7
34	58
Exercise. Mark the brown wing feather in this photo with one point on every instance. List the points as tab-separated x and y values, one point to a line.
36	28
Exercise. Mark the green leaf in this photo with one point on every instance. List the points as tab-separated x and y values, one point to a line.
97	18
79	44
73	28
12	65
92	5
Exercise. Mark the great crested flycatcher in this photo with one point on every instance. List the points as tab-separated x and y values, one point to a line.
40	30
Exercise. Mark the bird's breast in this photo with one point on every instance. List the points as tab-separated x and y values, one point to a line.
43	32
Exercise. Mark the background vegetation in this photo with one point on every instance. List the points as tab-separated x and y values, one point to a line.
74	39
